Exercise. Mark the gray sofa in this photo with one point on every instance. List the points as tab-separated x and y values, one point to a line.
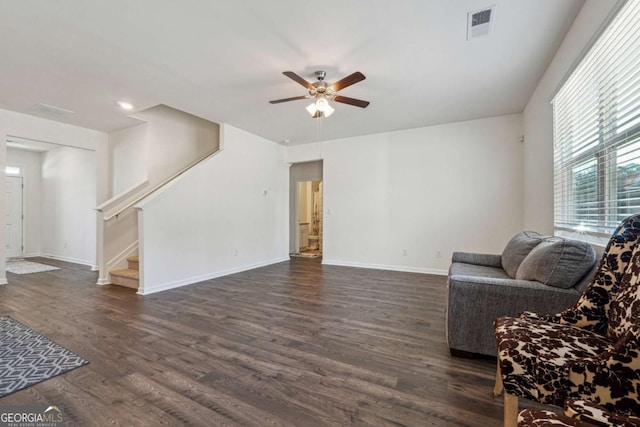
536	273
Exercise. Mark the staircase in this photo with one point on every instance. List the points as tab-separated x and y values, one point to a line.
129	277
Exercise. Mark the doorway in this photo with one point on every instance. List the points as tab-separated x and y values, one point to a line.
59	198
14	217
306	200
310	219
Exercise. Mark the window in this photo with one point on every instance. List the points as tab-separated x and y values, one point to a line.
13	170
596	116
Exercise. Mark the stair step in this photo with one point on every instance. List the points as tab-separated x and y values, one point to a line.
126	277
134	262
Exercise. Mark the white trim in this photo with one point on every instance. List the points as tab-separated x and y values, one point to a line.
3	281
121	257
128	193
67	259
402	268
102	282
33	255
208	276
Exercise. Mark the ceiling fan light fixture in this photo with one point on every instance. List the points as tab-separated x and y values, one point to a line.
311	109
328	110
320	106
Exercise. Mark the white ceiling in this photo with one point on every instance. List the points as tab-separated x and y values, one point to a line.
223	60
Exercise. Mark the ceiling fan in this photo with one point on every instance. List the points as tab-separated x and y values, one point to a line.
323	92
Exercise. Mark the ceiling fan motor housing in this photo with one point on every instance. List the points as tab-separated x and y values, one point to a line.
321	88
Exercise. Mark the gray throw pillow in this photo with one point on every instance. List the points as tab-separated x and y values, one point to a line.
557	262
517	249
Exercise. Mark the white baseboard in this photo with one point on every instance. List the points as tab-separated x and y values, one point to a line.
208	276
3	281
31	255
402	268
102	282
62	258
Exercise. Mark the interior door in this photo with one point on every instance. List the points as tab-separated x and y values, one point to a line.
13	220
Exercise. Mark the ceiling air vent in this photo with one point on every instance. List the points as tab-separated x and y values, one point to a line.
479	23
50	109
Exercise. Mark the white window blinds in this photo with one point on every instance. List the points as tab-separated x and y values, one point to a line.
596	117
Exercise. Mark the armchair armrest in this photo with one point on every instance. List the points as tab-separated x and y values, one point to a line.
612	376
588	411
489	260
578	316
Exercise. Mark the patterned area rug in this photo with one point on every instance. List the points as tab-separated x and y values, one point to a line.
27	267
28	358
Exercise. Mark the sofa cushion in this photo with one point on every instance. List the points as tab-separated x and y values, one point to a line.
557	262
517	249
474	270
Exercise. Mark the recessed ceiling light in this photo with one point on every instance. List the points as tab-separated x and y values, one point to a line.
125	105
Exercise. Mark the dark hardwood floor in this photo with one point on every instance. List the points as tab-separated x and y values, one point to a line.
296	344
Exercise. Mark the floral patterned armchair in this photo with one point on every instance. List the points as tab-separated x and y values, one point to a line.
577	413
589	351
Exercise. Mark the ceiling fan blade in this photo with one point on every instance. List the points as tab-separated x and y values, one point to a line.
348	81
293	76
351	101
295	98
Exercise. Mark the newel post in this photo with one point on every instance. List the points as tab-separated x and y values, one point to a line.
103	274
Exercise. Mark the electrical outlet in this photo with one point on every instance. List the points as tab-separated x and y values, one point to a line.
404	252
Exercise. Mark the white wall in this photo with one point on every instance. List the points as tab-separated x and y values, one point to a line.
538	116
128	161
453	187
68	203
175	139
31	165
216	219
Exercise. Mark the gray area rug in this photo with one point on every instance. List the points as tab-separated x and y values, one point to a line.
28	358
27	267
